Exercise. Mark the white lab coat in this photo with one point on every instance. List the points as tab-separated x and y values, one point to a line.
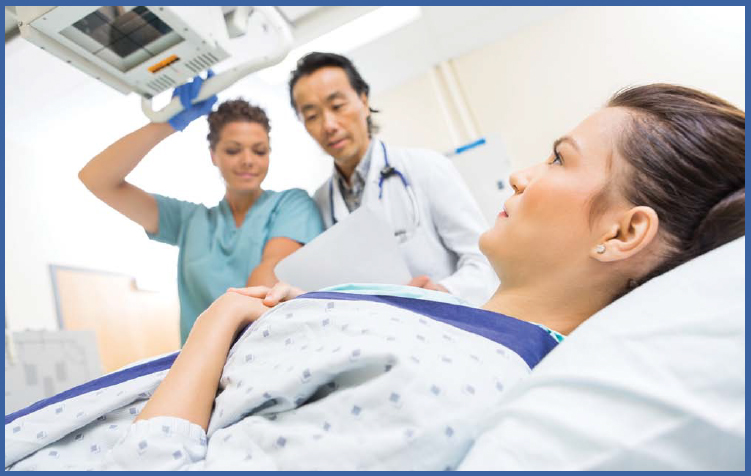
445	245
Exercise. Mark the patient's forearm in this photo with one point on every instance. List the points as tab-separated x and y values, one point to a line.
189	389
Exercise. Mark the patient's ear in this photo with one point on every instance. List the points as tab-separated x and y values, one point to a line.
634	231
213	159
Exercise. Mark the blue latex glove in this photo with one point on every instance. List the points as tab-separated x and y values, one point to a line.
187	92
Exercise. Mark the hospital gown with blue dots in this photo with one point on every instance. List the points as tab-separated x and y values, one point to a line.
345	378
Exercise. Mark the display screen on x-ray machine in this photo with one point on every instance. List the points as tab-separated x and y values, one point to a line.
122	36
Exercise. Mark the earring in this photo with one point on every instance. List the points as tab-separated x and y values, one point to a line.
600	249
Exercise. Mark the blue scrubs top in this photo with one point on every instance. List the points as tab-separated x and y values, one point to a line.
215	254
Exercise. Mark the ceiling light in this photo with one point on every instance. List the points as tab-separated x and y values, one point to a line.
348	37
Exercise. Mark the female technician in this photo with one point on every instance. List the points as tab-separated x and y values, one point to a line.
235	243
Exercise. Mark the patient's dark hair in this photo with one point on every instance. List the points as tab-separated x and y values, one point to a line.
234	110
312	62
687	156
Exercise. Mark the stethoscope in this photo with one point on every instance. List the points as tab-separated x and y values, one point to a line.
387	171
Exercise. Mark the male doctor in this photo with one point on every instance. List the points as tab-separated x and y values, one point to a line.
435	220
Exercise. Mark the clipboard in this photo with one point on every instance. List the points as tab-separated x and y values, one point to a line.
360	248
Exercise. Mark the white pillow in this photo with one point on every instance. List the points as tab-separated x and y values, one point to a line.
655	380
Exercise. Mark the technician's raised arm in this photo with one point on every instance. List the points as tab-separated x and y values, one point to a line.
105	175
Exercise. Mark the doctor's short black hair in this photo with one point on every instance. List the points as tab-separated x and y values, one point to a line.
312	62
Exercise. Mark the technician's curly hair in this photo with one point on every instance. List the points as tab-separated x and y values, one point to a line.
234	110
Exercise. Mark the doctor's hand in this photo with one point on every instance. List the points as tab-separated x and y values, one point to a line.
187	92
280	292
427	283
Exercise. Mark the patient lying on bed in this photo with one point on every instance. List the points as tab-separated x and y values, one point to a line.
402	378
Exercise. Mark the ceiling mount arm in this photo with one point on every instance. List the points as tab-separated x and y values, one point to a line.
277	27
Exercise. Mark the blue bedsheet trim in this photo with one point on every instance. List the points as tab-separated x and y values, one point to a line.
108	380
531	342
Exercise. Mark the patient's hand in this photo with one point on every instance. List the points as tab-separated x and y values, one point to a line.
271	296
427	283
235	308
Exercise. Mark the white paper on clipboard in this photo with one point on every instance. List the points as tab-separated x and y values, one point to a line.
359	249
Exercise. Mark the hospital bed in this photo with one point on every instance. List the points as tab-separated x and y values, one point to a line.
656	380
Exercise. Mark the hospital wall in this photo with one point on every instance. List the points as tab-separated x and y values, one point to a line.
537	84
524	91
